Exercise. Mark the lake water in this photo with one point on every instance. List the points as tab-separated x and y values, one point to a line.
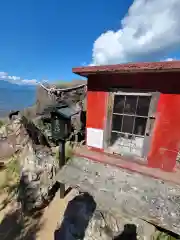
15	98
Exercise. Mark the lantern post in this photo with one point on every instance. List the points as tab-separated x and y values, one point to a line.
61	128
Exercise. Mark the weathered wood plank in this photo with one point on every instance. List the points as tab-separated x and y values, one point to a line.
126	193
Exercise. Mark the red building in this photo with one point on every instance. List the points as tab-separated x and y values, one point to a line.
133	115
133	124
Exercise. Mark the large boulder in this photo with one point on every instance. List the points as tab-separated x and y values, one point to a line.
37	162
11	138
46	98
38	169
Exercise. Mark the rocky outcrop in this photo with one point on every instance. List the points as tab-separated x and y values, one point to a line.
11	137
71	97
45	98
38	169
37	163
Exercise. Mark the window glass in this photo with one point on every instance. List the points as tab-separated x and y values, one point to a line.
143	106
130	104
140	126
128	122
119	104
117	122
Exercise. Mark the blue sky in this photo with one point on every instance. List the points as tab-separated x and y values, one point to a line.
42	39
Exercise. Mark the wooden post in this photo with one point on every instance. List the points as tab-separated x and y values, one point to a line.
62	190
62	157
62	161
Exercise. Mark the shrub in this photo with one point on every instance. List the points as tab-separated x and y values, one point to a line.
1	123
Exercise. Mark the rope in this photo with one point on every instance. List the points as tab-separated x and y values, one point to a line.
53	89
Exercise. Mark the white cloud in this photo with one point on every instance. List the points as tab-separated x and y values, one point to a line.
31	81
170	59
149	31
17	80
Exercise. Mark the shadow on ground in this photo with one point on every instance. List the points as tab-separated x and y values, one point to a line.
18	226
76	218
12	227
129	233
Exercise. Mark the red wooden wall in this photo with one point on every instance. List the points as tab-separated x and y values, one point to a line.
166	134
96	110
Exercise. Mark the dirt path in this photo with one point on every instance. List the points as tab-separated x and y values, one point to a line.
39	227
53	216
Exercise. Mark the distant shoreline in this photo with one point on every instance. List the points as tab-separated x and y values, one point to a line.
13	98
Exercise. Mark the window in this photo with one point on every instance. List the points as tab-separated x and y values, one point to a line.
129	121
130	114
